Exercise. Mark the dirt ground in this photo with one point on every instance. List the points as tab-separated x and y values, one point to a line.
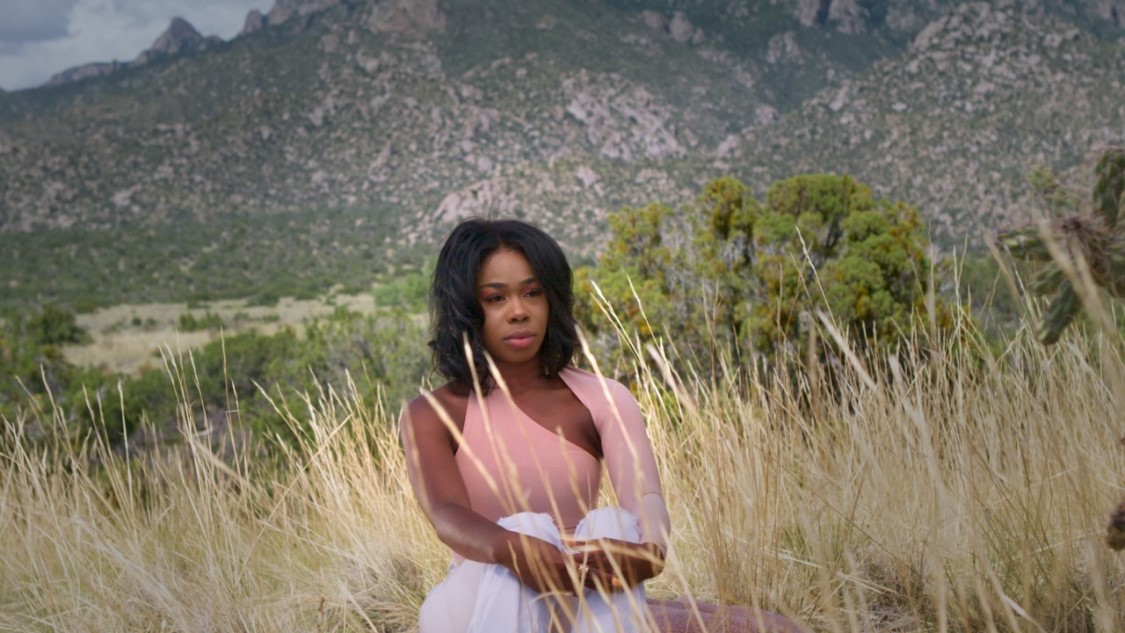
129	338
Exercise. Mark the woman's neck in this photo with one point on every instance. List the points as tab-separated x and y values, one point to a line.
522	377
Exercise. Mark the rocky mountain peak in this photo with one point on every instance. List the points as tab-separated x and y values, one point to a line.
255	21
180	37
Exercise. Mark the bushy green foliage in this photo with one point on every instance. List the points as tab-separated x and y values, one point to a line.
53	325
209	321
32	367
406	291
381	356
733	269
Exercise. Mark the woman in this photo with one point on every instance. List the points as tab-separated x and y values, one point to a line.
506	457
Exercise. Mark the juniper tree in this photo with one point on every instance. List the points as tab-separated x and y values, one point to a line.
730	271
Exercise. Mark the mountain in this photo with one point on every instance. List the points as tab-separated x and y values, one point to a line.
180	38
437	111
954	123
419	112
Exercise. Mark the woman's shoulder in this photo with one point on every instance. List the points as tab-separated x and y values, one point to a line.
449	397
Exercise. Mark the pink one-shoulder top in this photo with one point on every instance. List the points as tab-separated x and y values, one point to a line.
510	463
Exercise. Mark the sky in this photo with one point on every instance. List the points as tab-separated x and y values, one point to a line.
39	38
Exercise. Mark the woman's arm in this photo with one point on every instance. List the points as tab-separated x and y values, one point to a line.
428	442
631	465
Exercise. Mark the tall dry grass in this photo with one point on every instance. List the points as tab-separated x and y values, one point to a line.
944	491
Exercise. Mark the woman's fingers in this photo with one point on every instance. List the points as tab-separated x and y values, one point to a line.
604	564
621	564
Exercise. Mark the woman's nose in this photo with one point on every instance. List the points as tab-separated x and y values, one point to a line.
518	311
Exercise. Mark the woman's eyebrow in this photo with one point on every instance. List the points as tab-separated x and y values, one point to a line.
501	285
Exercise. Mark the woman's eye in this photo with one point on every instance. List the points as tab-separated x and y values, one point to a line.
492	298
535	292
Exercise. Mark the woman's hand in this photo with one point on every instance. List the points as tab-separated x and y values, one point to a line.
617	565
539	564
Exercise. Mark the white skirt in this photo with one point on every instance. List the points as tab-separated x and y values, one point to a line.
483	598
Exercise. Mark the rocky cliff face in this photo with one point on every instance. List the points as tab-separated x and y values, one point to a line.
255	22
285	10
78	73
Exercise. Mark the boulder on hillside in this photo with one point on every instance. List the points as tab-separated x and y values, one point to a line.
1109	10
682	30
405	16
679	27
283	10
655	20
846	15
812	12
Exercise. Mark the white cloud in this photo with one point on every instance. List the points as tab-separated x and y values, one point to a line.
101	30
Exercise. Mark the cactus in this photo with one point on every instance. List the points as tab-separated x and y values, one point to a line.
1091	232
1061	311
1111	182
1115	533
1094	234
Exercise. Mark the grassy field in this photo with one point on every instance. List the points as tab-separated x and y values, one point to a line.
943	491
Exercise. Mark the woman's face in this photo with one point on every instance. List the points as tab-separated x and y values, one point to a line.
515	307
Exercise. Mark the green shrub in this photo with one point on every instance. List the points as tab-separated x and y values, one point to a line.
209	321
756	276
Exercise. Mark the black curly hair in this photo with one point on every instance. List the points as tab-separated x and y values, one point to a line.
455	308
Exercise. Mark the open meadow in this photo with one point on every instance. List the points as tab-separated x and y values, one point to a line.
129	337
948	489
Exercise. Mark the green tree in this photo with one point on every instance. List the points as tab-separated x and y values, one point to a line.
633	272
731	269
825	243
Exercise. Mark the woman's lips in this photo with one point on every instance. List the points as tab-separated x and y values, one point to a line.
520	339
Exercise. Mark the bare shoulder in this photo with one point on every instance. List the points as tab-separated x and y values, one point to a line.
426	412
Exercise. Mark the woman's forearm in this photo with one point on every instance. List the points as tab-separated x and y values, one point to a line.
471	535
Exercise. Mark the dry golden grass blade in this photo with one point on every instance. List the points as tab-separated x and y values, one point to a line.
942	492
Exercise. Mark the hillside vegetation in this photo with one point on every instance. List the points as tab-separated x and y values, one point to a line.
410	114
